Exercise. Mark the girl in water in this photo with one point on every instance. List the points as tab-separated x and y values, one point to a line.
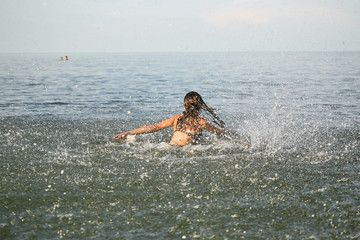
187	125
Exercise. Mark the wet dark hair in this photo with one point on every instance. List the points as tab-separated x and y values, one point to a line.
194	106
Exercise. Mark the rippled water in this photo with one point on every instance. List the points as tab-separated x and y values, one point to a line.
62	175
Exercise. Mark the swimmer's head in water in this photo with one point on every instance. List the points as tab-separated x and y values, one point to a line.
194	103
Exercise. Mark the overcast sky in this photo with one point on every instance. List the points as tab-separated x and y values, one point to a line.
179	25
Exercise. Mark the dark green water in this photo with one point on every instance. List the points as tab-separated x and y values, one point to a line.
62	175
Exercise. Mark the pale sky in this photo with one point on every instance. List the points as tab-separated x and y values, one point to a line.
179	25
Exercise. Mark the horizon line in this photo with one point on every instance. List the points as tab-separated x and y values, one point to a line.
157	52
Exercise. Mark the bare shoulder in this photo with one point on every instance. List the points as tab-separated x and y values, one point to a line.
168	122
177	115
209	127
202	121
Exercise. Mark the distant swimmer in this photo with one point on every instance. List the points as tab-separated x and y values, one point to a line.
66	58
188	125
61	58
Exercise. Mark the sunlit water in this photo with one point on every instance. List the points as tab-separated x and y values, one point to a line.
62	175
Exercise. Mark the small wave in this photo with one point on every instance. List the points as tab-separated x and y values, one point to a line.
55	103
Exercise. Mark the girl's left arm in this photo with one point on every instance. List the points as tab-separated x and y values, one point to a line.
148	129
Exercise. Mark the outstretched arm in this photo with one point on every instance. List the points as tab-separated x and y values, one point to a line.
218	131
215	130
148	129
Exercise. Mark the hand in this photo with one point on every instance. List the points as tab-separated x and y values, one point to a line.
121	135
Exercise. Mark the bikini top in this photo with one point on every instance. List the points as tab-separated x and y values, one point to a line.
186	132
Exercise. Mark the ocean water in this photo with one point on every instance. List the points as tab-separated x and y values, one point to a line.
63	176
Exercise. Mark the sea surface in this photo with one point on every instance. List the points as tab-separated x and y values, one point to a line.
292	172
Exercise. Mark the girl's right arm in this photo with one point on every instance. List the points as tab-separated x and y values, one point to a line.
221	132
215	130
